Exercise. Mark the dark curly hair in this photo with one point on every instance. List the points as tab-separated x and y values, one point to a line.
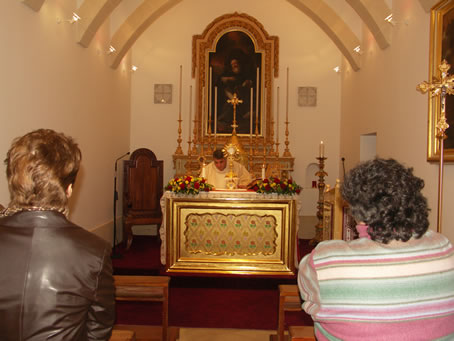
387	197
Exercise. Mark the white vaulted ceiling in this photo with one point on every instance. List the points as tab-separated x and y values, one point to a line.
339	19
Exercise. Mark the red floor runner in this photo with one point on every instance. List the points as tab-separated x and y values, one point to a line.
204	302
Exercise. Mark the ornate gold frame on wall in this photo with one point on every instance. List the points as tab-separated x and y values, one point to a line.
441	15
205	43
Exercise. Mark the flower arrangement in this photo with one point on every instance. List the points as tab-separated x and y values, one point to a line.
188	185
276	185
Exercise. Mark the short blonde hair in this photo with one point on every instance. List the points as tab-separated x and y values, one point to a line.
39	167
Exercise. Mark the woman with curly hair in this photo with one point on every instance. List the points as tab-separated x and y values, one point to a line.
396	281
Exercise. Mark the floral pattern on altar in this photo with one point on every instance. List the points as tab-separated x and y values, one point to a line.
220	234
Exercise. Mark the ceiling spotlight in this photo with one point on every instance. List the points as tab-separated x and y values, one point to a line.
134	68
357	49
111	49
74	18
337	69
389	19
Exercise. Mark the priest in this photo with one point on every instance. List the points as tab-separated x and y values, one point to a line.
216	171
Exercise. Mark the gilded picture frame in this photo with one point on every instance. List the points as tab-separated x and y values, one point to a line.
441	47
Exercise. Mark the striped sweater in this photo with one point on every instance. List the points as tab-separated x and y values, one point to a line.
365	290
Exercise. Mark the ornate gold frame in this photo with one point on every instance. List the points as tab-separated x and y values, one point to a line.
439	13
183	256
206	42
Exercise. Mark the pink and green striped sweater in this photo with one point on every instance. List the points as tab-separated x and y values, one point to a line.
364	290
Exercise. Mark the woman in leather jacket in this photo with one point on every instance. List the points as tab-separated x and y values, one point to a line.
56	278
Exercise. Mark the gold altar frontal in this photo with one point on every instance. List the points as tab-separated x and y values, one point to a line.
230	233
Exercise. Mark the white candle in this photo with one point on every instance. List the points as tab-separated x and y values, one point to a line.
209	100
215	110
263	172
286	109
181	72
322	149
251	111
277	116
257	88
190	111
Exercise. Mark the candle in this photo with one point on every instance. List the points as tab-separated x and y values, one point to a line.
257	87
263	172
277	116
190	111
209	101
203	174
322	149
251	111
215	110
181	72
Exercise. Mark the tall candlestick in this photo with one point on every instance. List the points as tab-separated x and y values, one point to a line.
322	149
257	88
181	82
286	106
210	93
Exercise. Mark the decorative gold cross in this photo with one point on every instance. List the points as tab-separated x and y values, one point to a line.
441	87
234	101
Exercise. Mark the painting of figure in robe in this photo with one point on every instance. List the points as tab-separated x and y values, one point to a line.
236	69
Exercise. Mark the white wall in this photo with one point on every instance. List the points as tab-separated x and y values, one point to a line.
382	98
303	47
50	81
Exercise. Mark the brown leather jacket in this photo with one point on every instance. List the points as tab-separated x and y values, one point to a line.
55	280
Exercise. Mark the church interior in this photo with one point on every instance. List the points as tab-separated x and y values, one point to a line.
123	75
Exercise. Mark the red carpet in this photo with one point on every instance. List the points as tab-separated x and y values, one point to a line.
204	302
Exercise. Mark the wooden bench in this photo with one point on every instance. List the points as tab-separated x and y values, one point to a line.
123	335
148	289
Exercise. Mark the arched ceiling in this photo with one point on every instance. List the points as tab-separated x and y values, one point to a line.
371	12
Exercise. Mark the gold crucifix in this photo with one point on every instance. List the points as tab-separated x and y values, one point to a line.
234	101
440	87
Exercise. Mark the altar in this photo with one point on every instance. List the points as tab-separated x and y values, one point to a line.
230	232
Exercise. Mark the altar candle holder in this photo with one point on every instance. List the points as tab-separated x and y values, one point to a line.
321	189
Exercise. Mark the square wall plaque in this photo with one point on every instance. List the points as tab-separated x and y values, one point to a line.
307	96
163	93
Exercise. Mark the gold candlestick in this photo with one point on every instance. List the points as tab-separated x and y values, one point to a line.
179	151
287	150
440	87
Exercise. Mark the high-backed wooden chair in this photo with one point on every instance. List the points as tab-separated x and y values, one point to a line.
142	191
149	289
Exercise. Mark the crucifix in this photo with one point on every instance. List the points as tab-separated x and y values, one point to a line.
440	87
234	101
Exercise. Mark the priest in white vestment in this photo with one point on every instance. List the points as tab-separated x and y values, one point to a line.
216	171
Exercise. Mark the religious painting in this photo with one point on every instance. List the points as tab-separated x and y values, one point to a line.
441	48
234	56
235	69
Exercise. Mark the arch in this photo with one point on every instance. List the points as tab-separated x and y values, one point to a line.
136	24
94	13
333	25
33	4
373	13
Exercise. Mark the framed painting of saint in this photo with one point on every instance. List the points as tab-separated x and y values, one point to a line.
441	48
236	68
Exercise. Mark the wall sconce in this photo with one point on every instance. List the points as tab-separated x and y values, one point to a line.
111	49
337	69
73	19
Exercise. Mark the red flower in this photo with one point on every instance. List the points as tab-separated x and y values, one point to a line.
206	189
290	181
283	186
182	185
276	180
196	185
203	180
267	187
255	188
265	181
188	178
298	191
168	187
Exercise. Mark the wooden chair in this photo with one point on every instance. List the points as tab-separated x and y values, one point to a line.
142	191
149	289
289	300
